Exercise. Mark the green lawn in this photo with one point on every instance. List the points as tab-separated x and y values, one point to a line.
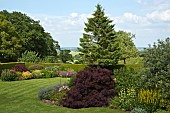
21	97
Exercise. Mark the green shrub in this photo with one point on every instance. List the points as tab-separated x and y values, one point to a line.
127	83
165	104
37	74
157	68
47	74
35	67
7	75
161	111
29	56
71	81
50	59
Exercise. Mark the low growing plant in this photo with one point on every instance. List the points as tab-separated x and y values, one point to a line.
8	75
27	75
138	110
54	93
37	74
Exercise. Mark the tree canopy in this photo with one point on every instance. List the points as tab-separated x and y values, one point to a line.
127	47
32	34
10	41
98	44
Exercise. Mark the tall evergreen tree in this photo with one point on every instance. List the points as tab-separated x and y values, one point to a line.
99	44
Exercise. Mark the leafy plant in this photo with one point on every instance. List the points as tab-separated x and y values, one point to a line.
48	92
8	75
35	67
127	83
29	56
138	110
27	75
93	87
157	68
20	68
71	81
37	74
47	74
149	99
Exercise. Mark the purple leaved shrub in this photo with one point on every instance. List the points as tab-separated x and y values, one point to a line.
20	68
92	87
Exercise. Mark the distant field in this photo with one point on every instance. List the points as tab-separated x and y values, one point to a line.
74	53
21	97
138	60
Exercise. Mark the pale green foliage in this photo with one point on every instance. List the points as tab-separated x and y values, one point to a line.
127	47
29	56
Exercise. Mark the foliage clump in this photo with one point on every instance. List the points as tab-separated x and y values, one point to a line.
92	87
8	75
20	68
36	67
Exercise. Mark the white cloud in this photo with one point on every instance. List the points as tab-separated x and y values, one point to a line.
74	15
148	28
159	16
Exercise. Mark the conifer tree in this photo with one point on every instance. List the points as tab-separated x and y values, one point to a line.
99	44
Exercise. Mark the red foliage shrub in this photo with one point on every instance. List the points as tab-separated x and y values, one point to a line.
92	88
20	68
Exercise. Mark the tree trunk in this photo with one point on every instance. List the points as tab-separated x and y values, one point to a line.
124	60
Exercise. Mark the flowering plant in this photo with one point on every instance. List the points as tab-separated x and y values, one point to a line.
67	73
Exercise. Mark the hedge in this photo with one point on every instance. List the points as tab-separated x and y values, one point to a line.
75	67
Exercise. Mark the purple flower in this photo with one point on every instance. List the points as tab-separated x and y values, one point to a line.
67	74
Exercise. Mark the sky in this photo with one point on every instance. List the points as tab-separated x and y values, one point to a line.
149	20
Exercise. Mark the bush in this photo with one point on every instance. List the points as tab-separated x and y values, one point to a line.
157	68
27	75
20	68
71	81
35	67
8	75
47	74
161	111
127	83
50	59
29	56
37	74
93	87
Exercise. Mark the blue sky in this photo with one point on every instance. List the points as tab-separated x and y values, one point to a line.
149	20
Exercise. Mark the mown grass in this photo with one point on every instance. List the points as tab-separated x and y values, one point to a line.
21	97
